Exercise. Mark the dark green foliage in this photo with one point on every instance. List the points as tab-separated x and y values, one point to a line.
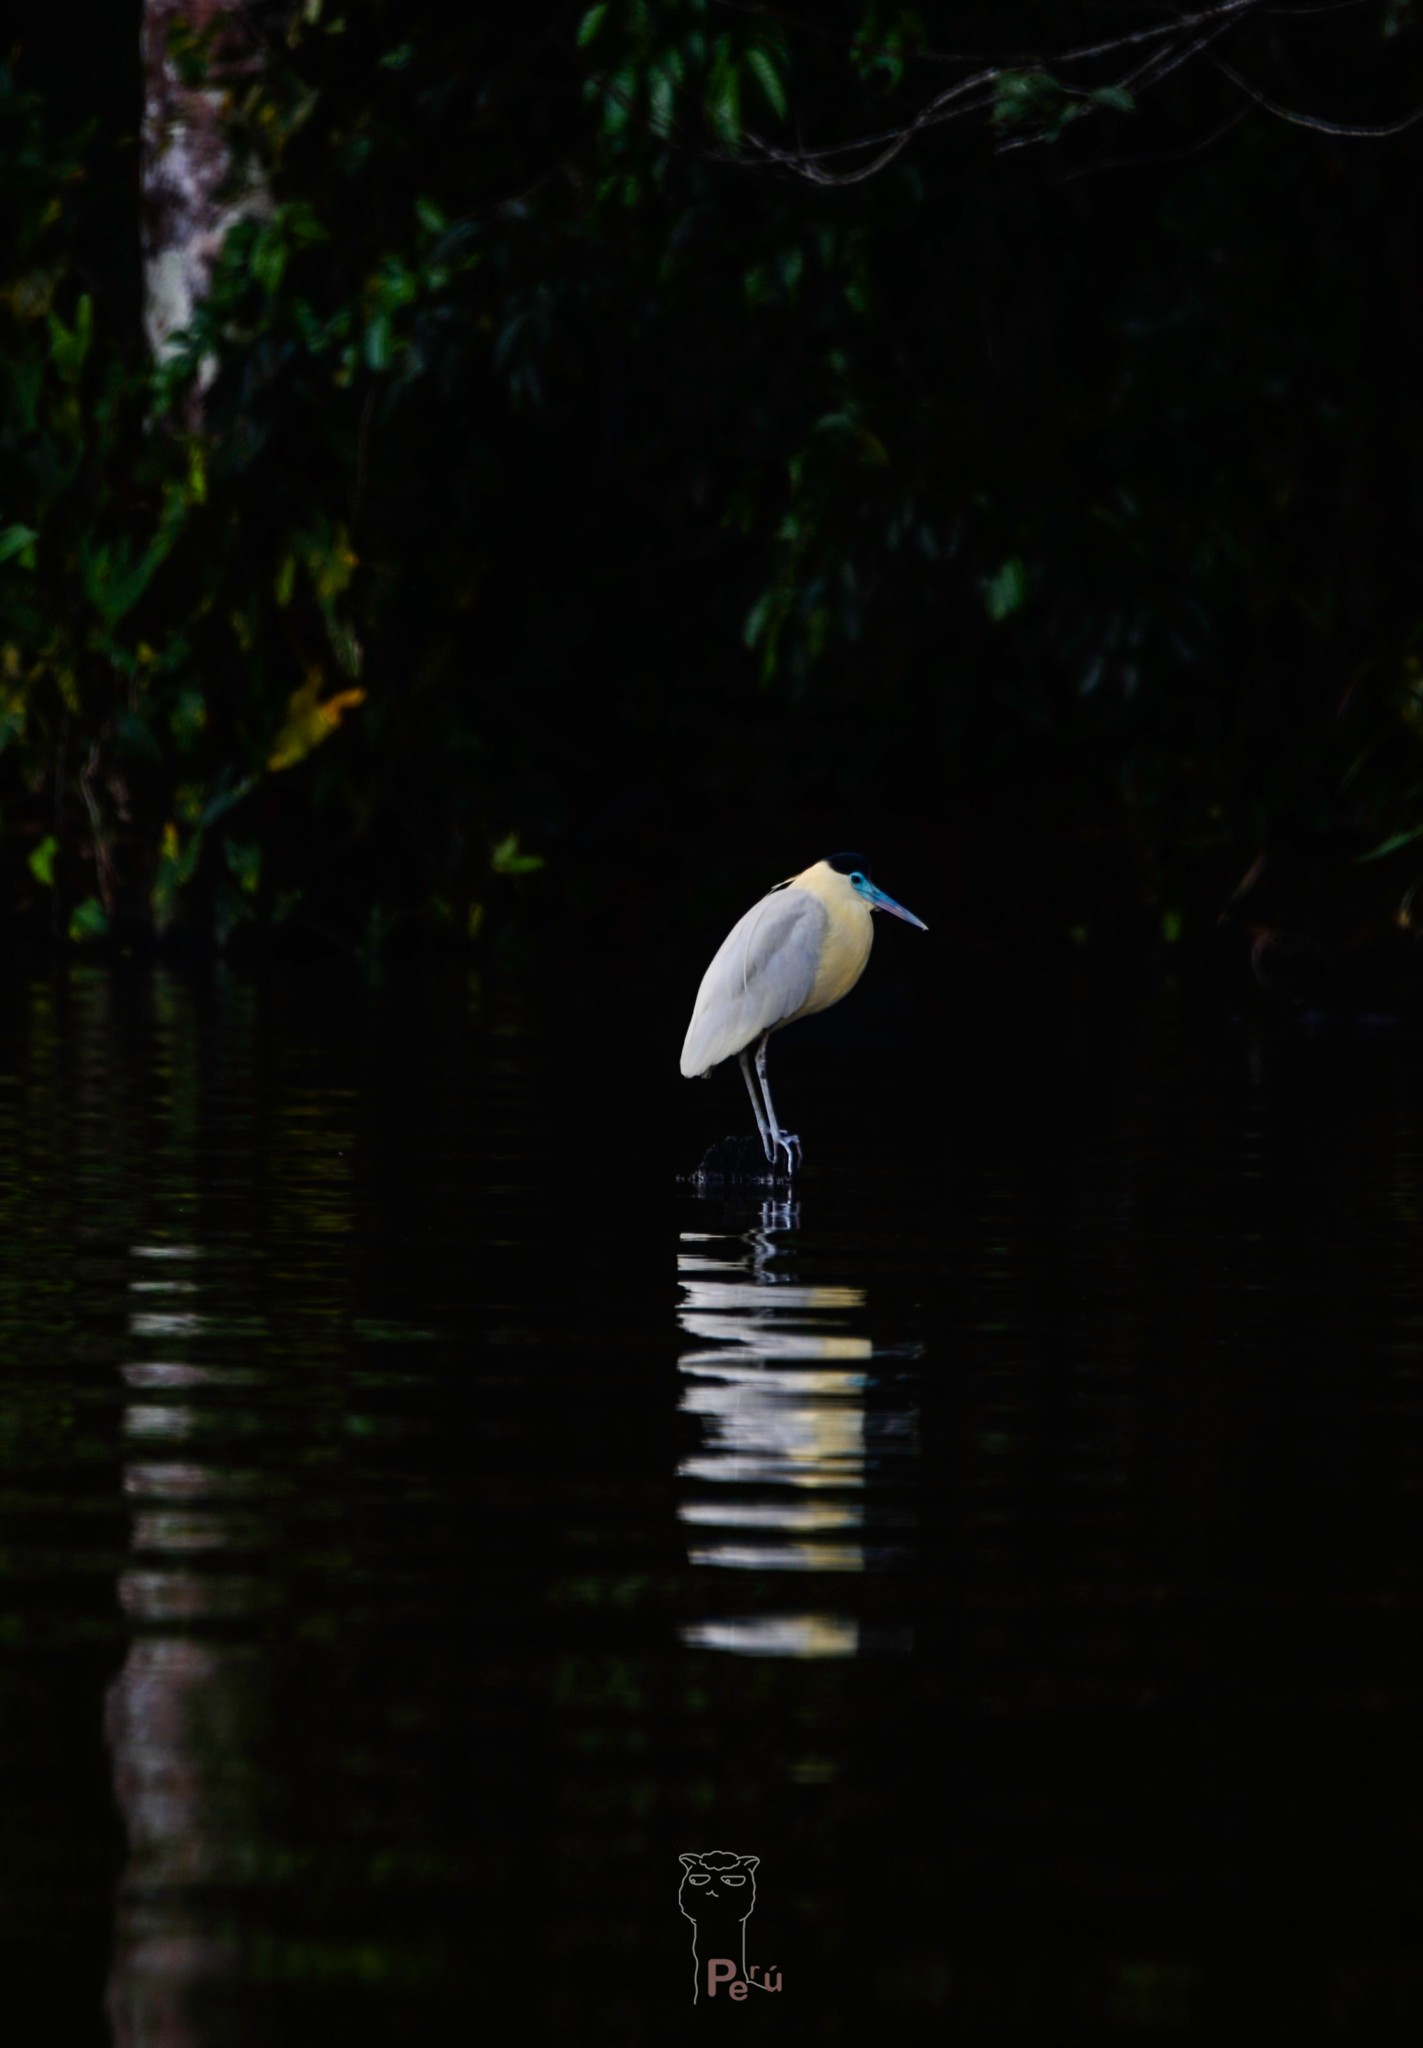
574	471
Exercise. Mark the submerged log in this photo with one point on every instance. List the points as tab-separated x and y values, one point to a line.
739	1161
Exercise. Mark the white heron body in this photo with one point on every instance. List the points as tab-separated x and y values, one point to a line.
798	950
792	954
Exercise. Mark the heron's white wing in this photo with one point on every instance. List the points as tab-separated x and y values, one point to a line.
763	973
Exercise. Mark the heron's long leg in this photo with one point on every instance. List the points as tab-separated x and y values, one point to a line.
778	1136
761	1123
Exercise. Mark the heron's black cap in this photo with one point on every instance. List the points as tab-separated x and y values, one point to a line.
847	863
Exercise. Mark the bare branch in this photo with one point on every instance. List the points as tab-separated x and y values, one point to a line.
1315	121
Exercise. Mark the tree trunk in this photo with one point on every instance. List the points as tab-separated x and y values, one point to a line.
190	196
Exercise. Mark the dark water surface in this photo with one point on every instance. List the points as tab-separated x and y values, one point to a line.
421	1521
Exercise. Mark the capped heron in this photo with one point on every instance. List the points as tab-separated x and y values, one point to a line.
795	952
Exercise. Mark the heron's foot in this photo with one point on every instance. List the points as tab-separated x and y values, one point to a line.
788	1142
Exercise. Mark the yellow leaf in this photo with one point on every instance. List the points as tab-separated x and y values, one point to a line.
310	720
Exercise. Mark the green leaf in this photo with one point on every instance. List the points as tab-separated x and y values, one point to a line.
42	861
377	342
507	859
89	921
13	539
662	97
1006	592
618	102
1392	844
269	257
724	95
590	25
1023	96
756	619
1115	96
68	346
115	582
762	66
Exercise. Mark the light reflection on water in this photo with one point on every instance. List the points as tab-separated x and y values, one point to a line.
778	1380
187	1368
183	1778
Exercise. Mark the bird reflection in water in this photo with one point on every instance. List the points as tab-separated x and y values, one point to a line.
806	1440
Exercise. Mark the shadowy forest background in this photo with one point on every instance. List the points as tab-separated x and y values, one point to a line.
613	455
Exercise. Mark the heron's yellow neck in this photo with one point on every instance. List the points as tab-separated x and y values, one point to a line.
849	934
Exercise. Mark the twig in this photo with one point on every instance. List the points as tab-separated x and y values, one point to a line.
1315	121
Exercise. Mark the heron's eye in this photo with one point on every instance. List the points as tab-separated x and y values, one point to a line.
857	881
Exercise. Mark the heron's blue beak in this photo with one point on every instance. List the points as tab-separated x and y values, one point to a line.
880	901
